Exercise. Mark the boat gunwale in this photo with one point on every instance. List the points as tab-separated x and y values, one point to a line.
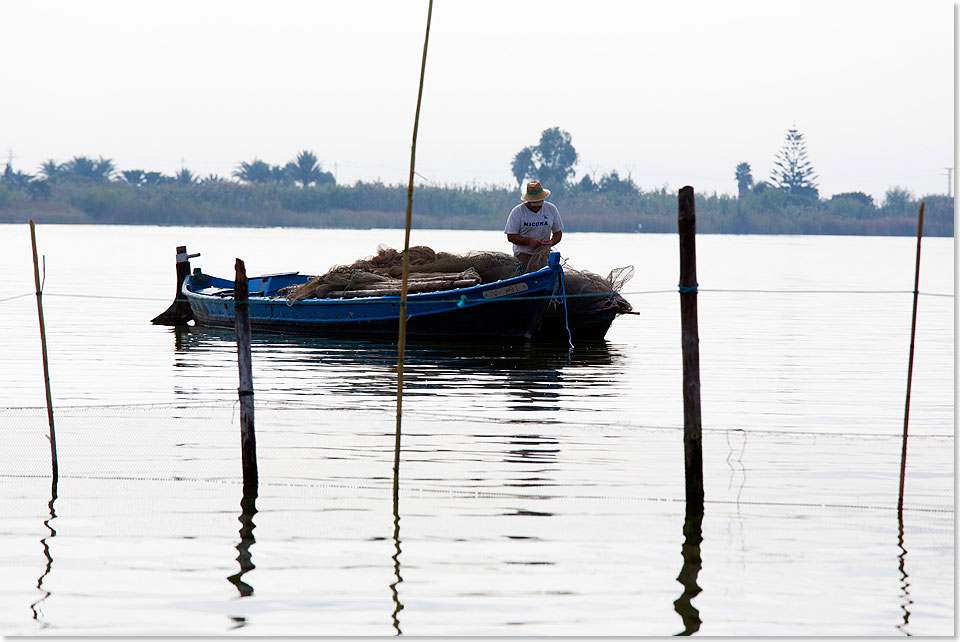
419	296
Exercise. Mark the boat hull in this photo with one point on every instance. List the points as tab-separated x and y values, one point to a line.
508	309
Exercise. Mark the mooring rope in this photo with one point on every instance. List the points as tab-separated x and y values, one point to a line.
566	319
256	302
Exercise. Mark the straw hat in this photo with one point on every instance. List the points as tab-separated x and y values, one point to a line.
535	192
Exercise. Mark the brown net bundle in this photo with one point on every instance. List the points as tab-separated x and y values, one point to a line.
380	274
491	266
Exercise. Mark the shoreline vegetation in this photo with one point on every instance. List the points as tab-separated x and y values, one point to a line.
618	208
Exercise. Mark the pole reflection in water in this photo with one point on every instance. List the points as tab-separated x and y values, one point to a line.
397	606
692	534
35	607
248	508
904	583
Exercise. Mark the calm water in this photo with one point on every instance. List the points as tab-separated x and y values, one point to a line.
541	490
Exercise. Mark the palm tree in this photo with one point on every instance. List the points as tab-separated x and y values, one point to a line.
51	169
133	176
155	178
254	172
304	169
744	179
185	177
105	169
81	168
15	178
278	174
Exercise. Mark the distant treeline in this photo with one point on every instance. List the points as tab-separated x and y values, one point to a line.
368	205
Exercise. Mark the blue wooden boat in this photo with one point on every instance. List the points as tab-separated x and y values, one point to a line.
508	309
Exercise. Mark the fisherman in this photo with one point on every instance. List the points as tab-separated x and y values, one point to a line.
533	224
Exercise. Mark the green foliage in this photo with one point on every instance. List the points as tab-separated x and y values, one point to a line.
938	215
50	169
897	200
551	161
15	179
744	179
81	191
134	177
87	170
522	167
612	185
185	177
155	178
586	185
254	172
860	197
852	205
618	205
306	170
792	171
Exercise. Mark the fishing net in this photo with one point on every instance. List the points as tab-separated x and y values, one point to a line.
589	293
383	271
380	274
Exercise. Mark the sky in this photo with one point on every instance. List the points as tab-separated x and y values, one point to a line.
669	93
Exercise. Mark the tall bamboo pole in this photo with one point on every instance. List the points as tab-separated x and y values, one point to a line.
913	334
402	332
43	351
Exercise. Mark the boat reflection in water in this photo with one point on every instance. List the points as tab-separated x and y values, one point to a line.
526	377
509	447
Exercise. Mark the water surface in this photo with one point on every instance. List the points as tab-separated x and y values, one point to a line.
540	490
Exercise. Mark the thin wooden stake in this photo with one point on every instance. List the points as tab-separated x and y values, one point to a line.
402	331
913	334
690	338
43	351
248	439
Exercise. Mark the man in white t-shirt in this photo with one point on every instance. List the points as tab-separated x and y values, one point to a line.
533	224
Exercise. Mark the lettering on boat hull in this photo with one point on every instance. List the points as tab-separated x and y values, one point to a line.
506	290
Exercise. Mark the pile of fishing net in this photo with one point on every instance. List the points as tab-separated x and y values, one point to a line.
380	275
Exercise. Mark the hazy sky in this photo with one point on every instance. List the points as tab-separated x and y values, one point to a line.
671	93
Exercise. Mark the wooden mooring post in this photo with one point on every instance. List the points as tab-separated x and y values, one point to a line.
248	439
43	351
913	334
690	338
179	312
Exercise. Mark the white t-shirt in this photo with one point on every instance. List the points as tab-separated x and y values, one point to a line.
536	225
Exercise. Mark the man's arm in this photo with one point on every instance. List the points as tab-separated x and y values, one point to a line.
516	239
555	238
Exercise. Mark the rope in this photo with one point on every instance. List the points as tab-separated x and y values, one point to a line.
572	296
19	296
460	493
353	275
285	405
566	320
